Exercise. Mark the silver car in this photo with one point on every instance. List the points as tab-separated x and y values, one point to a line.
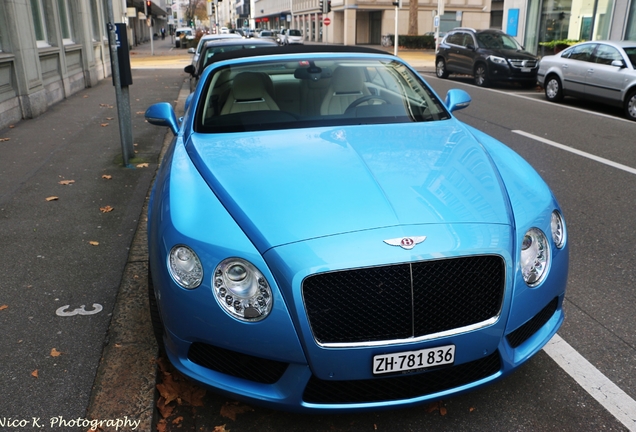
601	71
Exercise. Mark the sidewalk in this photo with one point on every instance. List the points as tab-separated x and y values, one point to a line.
68	214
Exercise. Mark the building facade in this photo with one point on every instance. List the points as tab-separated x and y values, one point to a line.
51	49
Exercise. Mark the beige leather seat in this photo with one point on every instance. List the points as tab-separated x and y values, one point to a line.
249	93
347	85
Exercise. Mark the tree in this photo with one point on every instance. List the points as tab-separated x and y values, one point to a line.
413	9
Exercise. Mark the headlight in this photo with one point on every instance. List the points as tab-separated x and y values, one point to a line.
242	290
185	267
497	60
535	256
557	225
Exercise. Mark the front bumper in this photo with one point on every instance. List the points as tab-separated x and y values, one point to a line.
499	72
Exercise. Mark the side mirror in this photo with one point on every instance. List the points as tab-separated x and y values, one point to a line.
191	51
189	69
162	114
470	47
457	99
618	63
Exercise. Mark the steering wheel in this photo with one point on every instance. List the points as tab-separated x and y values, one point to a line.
364	99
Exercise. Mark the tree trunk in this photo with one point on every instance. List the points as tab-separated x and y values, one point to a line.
413	7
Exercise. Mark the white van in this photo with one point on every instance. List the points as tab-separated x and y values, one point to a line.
181	35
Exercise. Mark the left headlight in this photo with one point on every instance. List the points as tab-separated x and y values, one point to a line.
535	256
497	60
185	267
242	290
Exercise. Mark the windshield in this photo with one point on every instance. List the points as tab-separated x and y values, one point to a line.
267	95
497	41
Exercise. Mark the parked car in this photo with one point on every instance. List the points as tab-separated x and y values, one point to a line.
602	71
197	51
324	235
225	30
487	55
214	47
293	36
268	34
183	37
281	36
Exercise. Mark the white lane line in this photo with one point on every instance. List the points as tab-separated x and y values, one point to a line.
615	400
578	152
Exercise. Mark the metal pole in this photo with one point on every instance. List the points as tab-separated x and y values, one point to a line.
125	131
395	37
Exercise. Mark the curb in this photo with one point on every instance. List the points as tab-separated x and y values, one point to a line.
127	372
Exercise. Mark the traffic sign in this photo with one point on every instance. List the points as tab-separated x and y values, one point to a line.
326	21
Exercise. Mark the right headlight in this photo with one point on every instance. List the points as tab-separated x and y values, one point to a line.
557	225
535	256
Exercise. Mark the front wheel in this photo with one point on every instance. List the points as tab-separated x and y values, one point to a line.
481	75
553	89
630	105
440	68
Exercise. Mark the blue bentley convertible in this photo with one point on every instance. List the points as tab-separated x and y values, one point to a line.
325	236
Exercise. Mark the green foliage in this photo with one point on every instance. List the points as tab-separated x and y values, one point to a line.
415	42
560	42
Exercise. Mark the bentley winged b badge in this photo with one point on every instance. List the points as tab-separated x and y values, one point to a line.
405	242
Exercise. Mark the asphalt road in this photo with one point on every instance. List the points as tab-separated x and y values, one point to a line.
577	394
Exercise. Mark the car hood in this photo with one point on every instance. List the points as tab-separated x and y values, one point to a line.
512	54
287	186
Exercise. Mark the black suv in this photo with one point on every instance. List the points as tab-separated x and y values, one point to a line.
487	55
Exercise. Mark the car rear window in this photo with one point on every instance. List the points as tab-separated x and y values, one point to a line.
312	92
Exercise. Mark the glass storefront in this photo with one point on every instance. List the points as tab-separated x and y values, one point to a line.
549	20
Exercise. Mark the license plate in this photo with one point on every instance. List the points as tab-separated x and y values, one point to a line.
413	360
526	69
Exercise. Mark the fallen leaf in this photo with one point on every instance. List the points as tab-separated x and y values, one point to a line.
93	243
106	209
34	374
110	118
443	411
220	429
55	353
177	420
11	126
164	409
231	409
471	409
161	426
4	139
107	176
104	124
52	198
85	96
66	182
3	307
140	112
117	345
142	165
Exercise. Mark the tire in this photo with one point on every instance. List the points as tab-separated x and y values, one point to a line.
630	105
440	68
553	88
481	75
155	316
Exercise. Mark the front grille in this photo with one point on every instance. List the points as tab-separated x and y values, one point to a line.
403	300
236	364
403	386
524	332
519	63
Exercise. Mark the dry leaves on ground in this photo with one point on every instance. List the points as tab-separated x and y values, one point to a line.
93	243
3	307
107	177
104	124
4	139
106	209
52	198
174	388
232	409
34	374
66	182
437	406
142	165
55	353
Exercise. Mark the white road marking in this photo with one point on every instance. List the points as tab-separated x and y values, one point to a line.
608	394
578	152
